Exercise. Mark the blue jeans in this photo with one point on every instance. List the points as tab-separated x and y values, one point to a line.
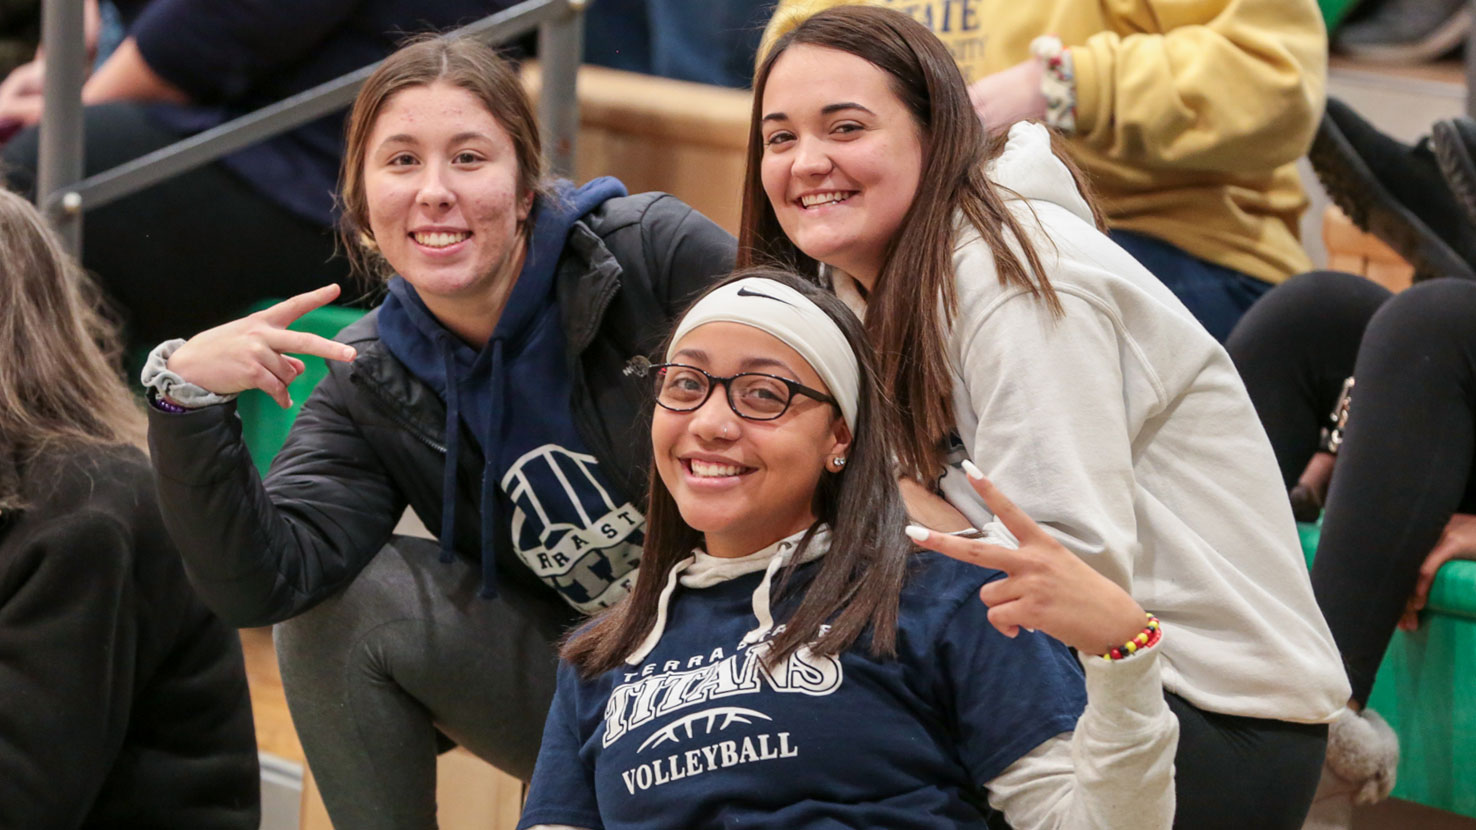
710	42
1217	296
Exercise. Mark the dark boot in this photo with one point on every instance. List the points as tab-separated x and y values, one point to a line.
1406	31
1394	191
1455	149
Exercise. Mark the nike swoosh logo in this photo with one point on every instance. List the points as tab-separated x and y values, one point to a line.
744	292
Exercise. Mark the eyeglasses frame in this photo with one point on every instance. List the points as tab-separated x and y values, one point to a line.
713	381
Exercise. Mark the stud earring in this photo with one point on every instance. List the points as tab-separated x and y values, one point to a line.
839	461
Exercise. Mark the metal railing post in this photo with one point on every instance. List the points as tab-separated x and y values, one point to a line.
1470	61
560	50
59	160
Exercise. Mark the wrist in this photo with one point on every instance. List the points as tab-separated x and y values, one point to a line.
1057	82
1142	640
169	388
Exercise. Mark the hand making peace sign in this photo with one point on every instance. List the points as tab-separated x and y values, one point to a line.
251	353
1046	587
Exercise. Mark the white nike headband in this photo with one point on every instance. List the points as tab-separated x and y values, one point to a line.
779	310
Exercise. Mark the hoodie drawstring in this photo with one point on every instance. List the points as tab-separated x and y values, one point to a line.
761	610
492	507
703	571
453	451
659	627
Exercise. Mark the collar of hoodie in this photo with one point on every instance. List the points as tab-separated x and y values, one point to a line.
703	570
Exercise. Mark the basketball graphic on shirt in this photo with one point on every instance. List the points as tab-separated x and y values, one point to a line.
567	527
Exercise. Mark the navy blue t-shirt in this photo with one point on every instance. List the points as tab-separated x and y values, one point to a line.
700	735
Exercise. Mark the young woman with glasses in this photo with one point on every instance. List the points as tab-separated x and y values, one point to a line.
788	659
485	393
1012	331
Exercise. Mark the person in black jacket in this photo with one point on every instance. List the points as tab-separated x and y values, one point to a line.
488	393
123	700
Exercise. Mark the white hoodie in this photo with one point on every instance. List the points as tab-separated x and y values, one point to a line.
1124	429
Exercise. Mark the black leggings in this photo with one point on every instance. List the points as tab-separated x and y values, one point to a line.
1234	773
190	252
1406	459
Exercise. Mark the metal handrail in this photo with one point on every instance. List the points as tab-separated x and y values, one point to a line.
63	197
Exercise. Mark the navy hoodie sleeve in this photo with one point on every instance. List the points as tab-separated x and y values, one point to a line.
216	50
1009	695
562	791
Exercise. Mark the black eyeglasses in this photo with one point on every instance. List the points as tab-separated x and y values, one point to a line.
752	395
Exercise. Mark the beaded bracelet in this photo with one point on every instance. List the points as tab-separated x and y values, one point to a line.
1058	83
1147	638
163	404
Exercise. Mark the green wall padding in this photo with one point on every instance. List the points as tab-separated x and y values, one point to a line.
1426	690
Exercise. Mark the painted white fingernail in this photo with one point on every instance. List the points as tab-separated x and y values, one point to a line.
916	534
974	472
1031	630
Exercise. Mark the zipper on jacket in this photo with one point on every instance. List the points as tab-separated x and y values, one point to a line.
389	405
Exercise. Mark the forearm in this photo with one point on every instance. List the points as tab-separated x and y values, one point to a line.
1237	91
253	561
126	76
1115	770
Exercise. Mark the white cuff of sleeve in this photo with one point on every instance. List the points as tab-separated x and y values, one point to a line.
156	376
1133	684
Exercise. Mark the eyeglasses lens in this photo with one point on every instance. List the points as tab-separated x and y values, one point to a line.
683	388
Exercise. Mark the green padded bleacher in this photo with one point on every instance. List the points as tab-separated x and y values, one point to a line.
1426	690
264	424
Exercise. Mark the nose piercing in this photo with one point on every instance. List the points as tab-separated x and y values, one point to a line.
724	433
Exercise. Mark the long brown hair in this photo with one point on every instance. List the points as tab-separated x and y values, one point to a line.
60	383
461	62
857	583
902	316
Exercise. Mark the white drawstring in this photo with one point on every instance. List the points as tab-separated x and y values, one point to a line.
703	570
761	598
654	637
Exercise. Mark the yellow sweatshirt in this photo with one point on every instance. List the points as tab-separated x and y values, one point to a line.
1190	113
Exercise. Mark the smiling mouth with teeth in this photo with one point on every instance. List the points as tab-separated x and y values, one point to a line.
819	199
440	239
708	469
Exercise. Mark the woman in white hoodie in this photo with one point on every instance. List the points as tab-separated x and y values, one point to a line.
1010	330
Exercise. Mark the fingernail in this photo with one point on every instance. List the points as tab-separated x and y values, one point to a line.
916	534
1031	630
974	472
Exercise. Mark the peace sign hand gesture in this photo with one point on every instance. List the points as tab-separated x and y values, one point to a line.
1046	587
251	353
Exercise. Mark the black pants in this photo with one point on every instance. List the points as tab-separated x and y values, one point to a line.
1236	773
192	251
1406	459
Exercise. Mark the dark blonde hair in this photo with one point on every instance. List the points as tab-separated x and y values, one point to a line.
60	383
461	62
857	584
902	318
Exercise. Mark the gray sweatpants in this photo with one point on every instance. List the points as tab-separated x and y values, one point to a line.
406	650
